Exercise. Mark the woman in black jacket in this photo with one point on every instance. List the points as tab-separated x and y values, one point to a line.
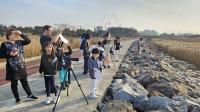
13	51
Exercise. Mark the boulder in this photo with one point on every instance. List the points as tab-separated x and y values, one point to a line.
128	90
169	89
155	103
156	93
147	79
118	106
191	104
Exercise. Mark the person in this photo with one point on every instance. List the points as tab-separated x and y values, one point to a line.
48	66
140	44
86	52
46	36
117	46
101	53
95	72
13	51
63	56
107	46
81	40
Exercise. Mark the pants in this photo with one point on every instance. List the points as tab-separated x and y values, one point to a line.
25	85
86	58
50	84
94	86
140	49
116	54
63	73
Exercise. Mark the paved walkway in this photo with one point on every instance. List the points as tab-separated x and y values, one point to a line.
73	103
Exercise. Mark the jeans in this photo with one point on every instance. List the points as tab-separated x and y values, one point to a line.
63	73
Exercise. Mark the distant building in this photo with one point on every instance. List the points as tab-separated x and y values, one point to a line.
148	33
98	28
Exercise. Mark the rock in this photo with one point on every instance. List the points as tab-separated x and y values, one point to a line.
138	100
119	75
118	106
162	103
128	91
196	109
191	105
137	87
135	71
124	66
164	77
117	82
156	93
169	89
146	79
166	66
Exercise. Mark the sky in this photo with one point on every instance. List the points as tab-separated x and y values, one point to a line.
171	16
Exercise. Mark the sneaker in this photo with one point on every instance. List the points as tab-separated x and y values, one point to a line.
93	96
109	66
48	100
32	97
104	66
18	100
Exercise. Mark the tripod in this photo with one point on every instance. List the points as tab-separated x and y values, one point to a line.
69	69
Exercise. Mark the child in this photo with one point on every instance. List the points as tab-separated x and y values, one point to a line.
13	51
63	56
117	46
101	53
95	71
48	66
63	64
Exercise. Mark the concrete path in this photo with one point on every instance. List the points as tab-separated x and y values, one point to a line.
73	103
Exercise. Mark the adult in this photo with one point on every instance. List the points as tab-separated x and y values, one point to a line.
140	45
107	46
13	51
86	52
46	36
117	46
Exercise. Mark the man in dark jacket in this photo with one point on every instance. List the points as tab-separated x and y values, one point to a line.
46	36
13	51
86	52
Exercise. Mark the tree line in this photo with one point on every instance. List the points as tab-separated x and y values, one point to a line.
37	30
